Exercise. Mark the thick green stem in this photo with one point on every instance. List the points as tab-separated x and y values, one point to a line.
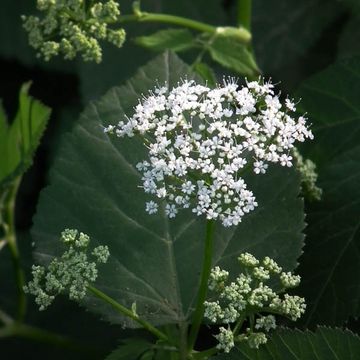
183	332
8	200
169	19
207	261
127	312
13	328
244	13
243	36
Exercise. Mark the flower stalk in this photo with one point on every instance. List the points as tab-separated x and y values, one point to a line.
205	274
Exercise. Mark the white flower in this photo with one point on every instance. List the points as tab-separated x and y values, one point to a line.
170	210
290	105
200	139
151	207
266	322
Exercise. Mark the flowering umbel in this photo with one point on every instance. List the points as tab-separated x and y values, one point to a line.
248	297
202	140
69	27
71	273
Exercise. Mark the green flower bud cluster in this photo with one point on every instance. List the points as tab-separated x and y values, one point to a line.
232	302
71	27
71	273
225	339
309	176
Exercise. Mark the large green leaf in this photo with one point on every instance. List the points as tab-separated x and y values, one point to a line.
285	29
154	261
349	41
19	140
324	344
330	265
331	100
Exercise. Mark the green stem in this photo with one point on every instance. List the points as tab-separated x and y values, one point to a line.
183	332
207	261
125	311
33	333
169	19
13	328
244	35
8	223
239	324
244	8
205	354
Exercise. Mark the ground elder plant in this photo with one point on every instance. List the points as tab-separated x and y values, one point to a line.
199	142
190	194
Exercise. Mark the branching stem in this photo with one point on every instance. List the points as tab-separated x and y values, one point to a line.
140	16
127	312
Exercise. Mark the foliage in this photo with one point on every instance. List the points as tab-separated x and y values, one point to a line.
20	138
331	97
323	344
157	283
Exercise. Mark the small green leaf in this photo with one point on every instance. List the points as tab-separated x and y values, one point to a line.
19	141
206	73
131	349
169	39
285	344
234	55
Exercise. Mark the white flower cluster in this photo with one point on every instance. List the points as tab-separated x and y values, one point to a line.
71	273
202	140
225	339
254	339
248	296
